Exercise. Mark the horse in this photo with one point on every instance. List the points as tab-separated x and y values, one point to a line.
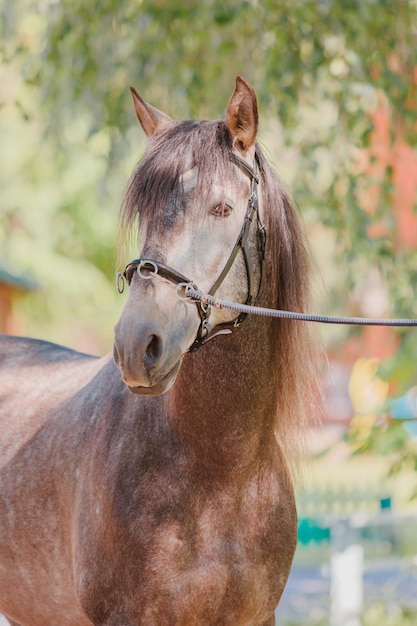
155	485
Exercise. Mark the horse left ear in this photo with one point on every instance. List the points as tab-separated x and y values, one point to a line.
150	118
242	115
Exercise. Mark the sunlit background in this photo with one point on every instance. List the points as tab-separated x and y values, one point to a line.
337	89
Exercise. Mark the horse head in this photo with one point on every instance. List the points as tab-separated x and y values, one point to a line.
193	199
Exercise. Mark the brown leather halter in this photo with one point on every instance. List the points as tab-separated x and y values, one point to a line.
148	268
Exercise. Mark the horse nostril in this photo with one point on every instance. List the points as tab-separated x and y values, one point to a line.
152	352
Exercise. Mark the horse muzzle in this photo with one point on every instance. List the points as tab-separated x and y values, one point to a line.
145	366
151	337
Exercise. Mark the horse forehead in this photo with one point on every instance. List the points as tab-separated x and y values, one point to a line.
189	179
188	207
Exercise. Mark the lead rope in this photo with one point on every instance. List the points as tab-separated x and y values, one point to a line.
198	296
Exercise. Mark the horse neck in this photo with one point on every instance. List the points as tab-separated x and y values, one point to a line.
224	400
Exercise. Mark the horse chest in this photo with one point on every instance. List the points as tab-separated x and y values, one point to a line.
226	565
214	577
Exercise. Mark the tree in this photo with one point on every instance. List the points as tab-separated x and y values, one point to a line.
320	67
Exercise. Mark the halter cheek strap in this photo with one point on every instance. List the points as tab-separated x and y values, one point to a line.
148	268
252	213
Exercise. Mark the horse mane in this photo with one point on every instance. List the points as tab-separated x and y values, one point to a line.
298	361
155	185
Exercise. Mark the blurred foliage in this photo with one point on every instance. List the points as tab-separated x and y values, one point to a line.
69	138
381	424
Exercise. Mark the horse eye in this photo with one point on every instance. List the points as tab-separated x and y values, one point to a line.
221	210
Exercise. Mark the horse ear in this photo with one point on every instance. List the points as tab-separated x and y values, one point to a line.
242	115
150	118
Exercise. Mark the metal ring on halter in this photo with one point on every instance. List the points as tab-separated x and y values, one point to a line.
153	270
182	287
120	282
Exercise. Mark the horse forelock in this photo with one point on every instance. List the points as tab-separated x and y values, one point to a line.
155	187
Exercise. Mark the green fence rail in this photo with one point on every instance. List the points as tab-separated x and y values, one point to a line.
319	507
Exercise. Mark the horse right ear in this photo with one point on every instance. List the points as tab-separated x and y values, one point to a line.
242	115
150	118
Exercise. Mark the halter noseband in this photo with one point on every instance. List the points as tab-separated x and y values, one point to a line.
148	268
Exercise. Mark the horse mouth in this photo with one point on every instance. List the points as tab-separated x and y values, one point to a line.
161	386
